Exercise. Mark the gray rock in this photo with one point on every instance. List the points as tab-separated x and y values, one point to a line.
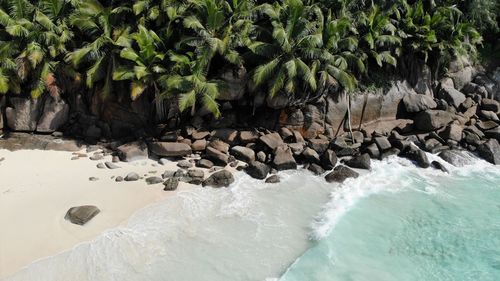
452	96
361	162
168	174
261	156
493	133
119	179
248	137
115	159
272	141
23	115
185	164
456	158
310	155
204	163
431	120
170	149
93	179
171	184
316	169
111	165
283	158
132	177
133	151
153	180
328	159
199	145
453	132
390	152
82	214
164	161
416	103
96	157
101	166
340	174
217	157
297	148
222	178
383	143
273	179
417	155
227	135
55	115
490	151
490	105
319	145
439	166
219	145
258	170
196	173
489	115
243	153
373	151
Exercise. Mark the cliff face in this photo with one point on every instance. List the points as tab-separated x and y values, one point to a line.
377	111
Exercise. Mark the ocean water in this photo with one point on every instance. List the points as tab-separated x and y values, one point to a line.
396	222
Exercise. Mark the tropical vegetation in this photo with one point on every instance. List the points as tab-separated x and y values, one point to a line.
178	49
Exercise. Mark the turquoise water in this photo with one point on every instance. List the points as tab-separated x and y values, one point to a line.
396	222
425	227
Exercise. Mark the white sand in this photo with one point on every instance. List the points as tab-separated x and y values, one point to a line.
38	187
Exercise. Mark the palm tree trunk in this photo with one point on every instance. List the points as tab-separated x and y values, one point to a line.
349	117
161	111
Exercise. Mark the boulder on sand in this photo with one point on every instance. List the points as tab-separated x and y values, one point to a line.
258	170
283	158
222	178
170	149
133	151
82	214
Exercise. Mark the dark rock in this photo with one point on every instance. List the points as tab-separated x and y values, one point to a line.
453	132
219	145
417	103
373	151
361	162
258	170
316	169
431	143
170	149
490	151
96	157
168	174
23	115
319	145
222	178
390	152
199	145
283	158
196	173
111	165
93	179
243	153
328	159
205	163
171	184
226	135
185	164
273	179
493	133
133	151
439	166
431	120
417	155
340	174
82	214
286	134
170	136
452	96
132	177
383	143
101	166
487	125
489	115
217	157
154	180
490	105
200	135
55	115
119	179
272	141
310	155
456	158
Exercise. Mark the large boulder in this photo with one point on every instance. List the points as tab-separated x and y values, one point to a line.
243	153
340	174
328	159
456	158
490	105
222	178
23	114
133	151
417	103
490	151
217	157
272	141
361	162
55	115
431	120
170	149
415	154
452	96
258	170
453	132
82	214
283	158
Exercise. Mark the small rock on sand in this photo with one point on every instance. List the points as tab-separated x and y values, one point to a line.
82	214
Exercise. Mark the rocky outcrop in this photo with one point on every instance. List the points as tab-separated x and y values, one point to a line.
23	114
430	120
416	103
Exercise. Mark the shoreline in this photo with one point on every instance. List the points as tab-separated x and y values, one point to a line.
32	208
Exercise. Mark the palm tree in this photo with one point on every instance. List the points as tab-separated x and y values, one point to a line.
37	39
107	34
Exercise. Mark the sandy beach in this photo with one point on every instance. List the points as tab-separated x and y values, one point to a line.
38	187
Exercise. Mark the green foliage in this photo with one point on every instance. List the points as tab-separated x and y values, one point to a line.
178	49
